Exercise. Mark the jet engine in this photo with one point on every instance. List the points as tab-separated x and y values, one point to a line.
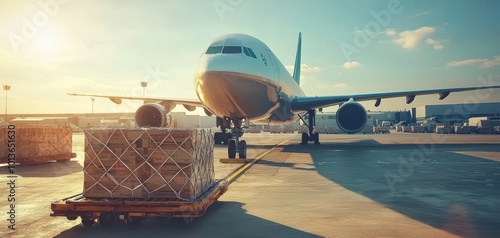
151	115
351	117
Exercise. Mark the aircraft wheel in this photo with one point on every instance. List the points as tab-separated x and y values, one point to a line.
231	149
242	149
305	139
316	138
218	138
228	137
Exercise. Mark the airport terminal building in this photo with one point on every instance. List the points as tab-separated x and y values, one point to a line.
451	113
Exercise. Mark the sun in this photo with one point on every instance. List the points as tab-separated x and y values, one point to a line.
47	44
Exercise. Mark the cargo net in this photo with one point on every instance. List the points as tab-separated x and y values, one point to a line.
148	163
37	143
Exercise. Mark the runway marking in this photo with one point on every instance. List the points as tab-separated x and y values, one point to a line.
237	173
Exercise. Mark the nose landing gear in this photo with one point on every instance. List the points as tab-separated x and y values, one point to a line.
232	139
235	145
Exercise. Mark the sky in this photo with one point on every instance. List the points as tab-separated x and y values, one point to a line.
52	47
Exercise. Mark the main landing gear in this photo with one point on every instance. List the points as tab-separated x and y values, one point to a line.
234	145
311	136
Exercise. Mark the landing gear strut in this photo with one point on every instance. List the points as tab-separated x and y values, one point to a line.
311	136
234	144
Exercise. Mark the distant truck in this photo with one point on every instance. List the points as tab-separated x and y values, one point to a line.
386	124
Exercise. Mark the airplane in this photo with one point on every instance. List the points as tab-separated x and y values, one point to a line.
240	80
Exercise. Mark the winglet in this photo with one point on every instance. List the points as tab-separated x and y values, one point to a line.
296	69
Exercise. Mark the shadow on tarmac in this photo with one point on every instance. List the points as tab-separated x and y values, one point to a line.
50	169
449	191
223	219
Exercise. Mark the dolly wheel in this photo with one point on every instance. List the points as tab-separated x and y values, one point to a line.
86	222
106	219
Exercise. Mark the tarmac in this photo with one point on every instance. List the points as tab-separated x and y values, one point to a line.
391	185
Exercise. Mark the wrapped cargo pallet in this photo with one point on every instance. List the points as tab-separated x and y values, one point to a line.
332	130
276	129
486	130
148	163
462	130
303	129
39	144
486	123
406	129
443	129
418	129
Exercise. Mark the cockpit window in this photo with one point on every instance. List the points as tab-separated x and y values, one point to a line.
214	50
231	50
249	52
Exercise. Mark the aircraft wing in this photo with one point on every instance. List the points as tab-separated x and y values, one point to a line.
187	103
307	103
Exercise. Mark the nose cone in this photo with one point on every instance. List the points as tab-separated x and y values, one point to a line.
236	95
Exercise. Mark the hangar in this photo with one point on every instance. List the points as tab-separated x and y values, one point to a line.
451	113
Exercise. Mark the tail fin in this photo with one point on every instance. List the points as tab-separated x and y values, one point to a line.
296	69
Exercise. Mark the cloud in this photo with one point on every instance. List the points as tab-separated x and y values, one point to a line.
390	31
464	62
351	65
304	68
484	63
421	14
410	39
340	85
437	45
491	63
307	68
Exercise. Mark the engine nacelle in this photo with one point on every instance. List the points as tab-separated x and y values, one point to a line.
351	117
151	115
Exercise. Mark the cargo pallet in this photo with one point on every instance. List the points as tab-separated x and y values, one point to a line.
133	210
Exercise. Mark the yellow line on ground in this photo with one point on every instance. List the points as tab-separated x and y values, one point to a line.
245	167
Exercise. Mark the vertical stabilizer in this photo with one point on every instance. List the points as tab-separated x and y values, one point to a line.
296	69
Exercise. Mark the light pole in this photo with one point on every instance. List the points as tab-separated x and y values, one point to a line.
93	99
6	88
144	84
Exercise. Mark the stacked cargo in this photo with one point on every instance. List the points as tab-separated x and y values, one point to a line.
275	129
406	128
39	144
380	130
332	130
289	128
303	129
148	163
418	129
465	129
486	130
443	129
431	128
368	129
486	123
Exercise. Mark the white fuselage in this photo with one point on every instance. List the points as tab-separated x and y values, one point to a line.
239	77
